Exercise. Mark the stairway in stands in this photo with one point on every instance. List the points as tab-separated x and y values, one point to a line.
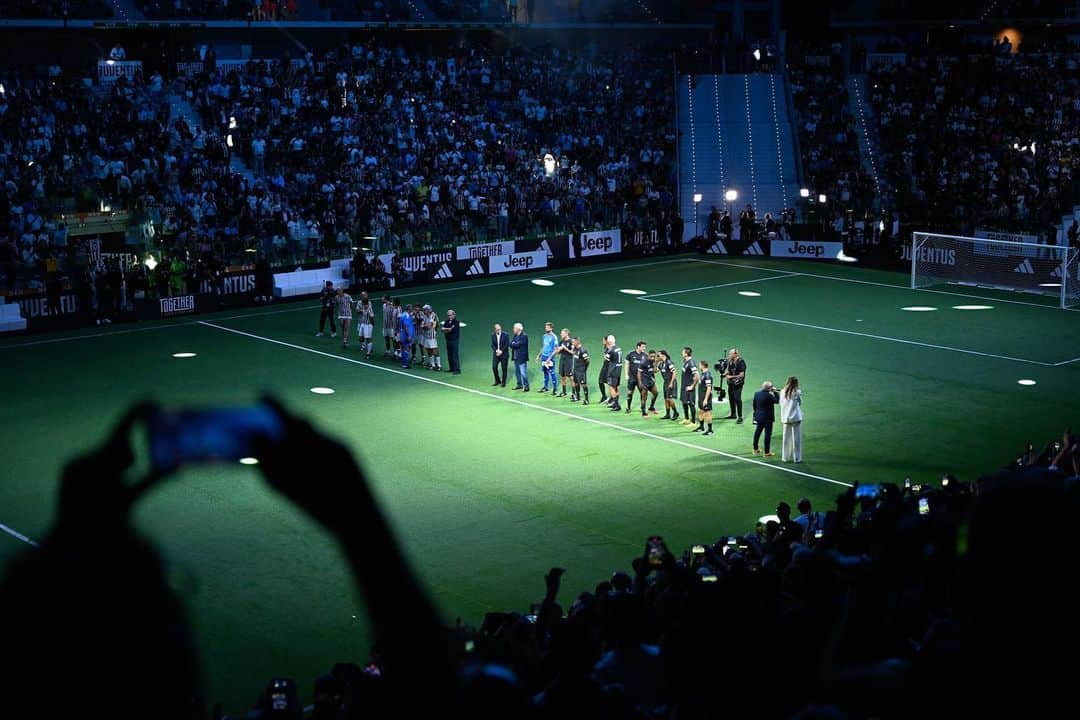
735	134
866	125
179	107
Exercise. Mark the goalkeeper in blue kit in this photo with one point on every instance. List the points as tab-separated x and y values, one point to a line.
407	331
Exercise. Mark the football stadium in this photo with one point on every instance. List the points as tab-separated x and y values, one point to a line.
541	360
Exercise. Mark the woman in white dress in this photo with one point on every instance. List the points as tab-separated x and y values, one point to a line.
791	416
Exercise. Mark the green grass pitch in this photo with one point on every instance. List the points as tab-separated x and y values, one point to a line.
488	488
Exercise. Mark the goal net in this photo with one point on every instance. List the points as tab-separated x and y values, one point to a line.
1050	270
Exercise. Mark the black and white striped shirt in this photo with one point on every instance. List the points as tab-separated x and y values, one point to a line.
366	312
345	306
433	320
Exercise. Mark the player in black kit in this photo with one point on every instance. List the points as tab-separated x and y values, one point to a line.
667	375
565	350
602	379
581	366
646	380
688	387
614	356
705	398
634	360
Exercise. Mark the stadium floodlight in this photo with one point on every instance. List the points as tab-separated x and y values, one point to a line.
804	192
731	195
697	197
997	264
821	198
150	263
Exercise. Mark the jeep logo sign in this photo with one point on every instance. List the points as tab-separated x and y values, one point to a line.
599	242
516	262
813	250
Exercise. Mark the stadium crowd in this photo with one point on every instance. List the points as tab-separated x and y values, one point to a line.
219	9
828	140
898	601
55	9
495	146
422	150
981	139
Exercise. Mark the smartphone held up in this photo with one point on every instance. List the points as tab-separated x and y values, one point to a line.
183	437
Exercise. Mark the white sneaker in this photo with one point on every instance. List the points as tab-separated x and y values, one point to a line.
318	334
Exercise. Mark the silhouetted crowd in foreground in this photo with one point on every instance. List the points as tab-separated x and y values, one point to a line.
898	601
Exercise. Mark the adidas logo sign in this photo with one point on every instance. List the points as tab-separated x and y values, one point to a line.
476	269
1025	268
1057	272
546	248
754	249
444	273
717	249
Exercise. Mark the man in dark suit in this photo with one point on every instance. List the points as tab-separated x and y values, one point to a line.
452	332
500	354
519	346
765	401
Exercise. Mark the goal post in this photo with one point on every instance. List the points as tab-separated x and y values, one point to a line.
1034	268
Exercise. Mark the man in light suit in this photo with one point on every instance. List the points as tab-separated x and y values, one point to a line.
765	401
500	354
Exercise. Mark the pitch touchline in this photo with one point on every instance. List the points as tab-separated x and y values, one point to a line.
471	286
553	411
847	332
785	276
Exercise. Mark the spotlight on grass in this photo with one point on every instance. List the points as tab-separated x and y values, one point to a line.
542	283
322	390
183	355
249	461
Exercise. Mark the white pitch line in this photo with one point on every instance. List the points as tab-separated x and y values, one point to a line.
849	332
471	286
1067	362
721	285
514	401
887	285
18	535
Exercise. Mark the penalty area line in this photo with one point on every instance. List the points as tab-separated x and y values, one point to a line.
841	331
721	285
522	403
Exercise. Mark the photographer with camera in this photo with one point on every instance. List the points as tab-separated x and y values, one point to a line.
735	373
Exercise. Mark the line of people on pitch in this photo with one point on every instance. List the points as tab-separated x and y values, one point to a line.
408	332
693	386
